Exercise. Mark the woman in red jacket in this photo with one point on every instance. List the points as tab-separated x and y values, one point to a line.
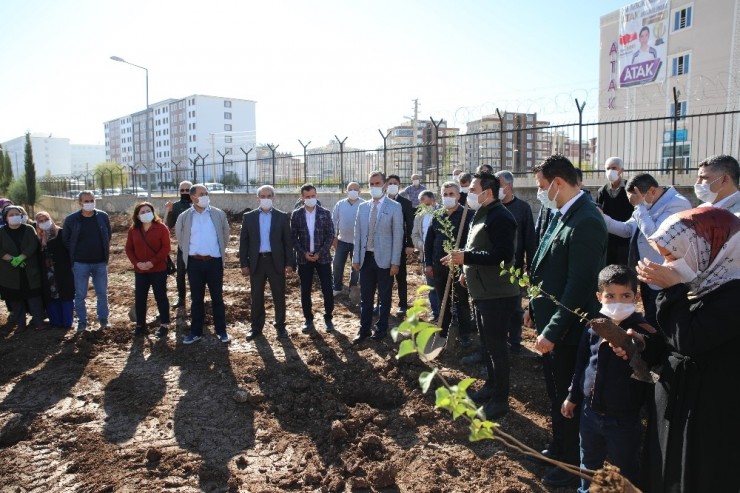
147	247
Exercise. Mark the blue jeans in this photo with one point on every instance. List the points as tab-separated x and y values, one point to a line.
82	273
373	277
202	273
158	282
616	438
341	253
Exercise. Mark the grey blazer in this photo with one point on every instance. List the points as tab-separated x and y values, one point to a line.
388	234
184	223
280	240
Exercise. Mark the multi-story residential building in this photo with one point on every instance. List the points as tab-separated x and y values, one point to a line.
408	153
176	135
523	140
54	155
648	50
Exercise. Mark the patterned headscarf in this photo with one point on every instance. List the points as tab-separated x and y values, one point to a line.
709	236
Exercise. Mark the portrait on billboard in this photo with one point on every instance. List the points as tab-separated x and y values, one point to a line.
642	49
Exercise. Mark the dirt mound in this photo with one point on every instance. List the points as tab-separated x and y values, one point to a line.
105	412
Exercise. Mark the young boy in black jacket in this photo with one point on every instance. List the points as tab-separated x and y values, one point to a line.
610	399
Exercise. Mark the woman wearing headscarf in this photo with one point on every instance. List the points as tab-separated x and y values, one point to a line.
694	427
20	273
56	271
147	247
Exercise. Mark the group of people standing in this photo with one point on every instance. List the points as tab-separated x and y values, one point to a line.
589	255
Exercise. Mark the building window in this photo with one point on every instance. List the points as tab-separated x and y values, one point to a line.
227	127
680	65
682	18
227	115
227	104
682	109
228	139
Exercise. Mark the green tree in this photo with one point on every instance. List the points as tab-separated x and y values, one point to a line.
30	175
230	179
6	172
110	174
18	191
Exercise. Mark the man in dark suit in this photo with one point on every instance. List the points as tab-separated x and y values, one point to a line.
567	263
266	254
393	186
312	231
377	255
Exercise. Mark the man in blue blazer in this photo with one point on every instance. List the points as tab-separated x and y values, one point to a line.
377	255
570	256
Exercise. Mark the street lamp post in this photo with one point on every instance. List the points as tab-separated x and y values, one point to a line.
146	165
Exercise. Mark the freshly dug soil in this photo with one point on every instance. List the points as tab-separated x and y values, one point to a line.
105	412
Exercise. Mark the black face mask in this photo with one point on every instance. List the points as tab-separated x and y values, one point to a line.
185	197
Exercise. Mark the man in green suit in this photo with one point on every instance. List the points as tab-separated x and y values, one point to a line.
567	263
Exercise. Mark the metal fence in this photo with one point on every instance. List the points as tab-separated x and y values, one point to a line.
669	147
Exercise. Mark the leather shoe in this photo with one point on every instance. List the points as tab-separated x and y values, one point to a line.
550	454
495	410
557	477
179	303
482	396
359	338
379	336
472	359
329	325
307	328
253	334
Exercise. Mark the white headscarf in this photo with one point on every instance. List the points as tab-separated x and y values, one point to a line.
711	235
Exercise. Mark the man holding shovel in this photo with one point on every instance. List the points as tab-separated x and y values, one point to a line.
442	232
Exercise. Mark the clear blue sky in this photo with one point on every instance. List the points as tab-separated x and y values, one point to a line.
315	68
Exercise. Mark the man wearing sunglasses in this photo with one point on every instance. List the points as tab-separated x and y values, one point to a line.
172	212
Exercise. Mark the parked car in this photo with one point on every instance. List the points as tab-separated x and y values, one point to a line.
216	188
137	191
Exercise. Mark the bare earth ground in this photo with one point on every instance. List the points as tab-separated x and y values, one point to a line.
104	412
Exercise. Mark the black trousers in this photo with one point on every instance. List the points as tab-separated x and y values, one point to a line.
492	317
403	288
305	273
558	366
266	272
180	276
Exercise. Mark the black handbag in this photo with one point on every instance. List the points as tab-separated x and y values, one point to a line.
171	267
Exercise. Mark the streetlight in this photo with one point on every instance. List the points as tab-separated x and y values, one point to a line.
146	71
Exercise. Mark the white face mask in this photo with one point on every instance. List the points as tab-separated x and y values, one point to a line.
501	194
682	267
203	201
416	182
146	217
449	202
310	202
266	204
376	192
703	191
353	195
612	175
46	225
473	202
88	206
15	220
617	311
392	190
543	197
464	189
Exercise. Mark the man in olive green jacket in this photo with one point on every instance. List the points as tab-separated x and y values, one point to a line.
491	241
567	263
